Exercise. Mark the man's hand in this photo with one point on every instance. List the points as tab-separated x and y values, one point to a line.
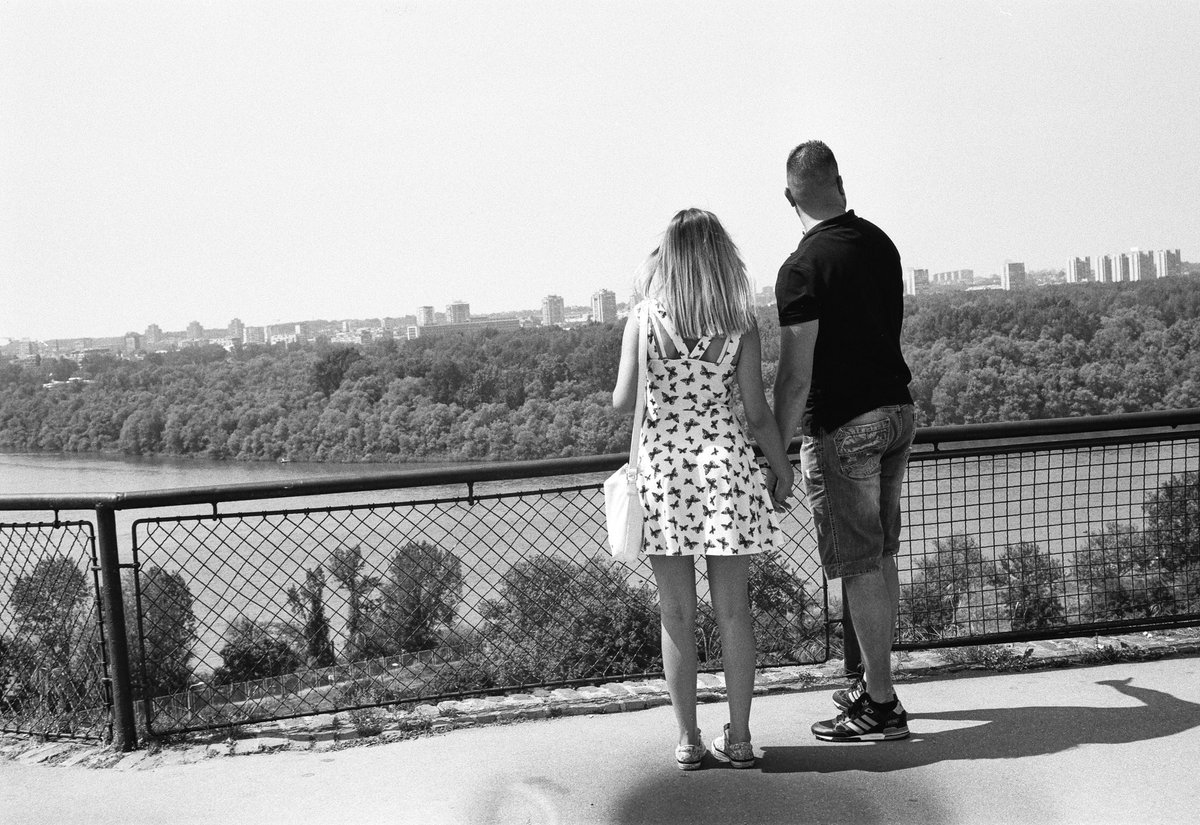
780	486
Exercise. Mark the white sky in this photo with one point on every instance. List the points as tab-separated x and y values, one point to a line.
274	161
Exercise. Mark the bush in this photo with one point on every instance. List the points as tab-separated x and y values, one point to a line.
1031	584
558	620
168	625
1122	576
419	596
785	614
254	651
1173	521
939	596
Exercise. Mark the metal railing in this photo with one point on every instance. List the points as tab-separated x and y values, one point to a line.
495	578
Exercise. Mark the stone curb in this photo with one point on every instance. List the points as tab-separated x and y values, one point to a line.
334	731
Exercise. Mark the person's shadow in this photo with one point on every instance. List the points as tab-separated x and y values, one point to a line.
999	733
986	733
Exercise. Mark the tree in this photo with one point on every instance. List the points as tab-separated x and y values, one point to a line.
168	628
254	651
419	596
51	608
783	611
937	597
554	619
56	623
346	567
1031	584
1173	521
330	368
1121	576
307	603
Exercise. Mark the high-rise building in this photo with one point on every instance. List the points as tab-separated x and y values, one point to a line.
256	335
604	306
915	280
133	342
1167	263
153	335
195	331
458	312
552	310
1141	265
237	329
1079	270
425	317
1121	268
1104	269
1012	276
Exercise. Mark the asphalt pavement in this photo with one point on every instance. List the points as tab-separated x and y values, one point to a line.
1115	743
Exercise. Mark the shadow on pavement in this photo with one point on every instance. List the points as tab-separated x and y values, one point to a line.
759	796
997	733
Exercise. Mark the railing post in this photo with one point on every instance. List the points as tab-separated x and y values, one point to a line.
124	727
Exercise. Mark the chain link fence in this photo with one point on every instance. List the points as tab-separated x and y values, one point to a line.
267	615
236	617
53	674
1049	540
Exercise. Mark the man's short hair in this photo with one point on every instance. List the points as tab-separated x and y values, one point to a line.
811	167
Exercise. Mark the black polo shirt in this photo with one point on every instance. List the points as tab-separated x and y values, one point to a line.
846	274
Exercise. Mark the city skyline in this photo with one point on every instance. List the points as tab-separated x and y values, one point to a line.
273	161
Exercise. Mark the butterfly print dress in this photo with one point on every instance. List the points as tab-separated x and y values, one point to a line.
701	489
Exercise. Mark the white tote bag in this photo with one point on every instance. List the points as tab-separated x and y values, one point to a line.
622	505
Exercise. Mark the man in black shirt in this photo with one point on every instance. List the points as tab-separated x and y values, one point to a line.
843	380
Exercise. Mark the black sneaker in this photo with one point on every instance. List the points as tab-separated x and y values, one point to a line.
865	721
846	697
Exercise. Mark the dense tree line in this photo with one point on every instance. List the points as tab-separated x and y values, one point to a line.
1122	571
535	393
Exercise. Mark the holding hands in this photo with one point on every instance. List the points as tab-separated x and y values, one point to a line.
779	485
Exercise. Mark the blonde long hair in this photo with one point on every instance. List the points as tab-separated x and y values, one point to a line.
698	277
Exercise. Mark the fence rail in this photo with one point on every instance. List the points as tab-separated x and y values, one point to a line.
495	578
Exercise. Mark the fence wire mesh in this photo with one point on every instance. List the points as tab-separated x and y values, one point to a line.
253	616
1042	540
52	664
250	616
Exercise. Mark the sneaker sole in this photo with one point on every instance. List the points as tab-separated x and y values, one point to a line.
721	756
689	766
889	734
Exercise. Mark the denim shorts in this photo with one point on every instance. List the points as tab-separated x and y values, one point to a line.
853	476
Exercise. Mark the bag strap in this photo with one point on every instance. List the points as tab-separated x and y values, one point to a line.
640	407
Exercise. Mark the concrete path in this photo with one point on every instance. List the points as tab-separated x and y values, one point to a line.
1115	743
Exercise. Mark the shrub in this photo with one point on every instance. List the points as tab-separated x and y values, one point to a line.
937	598
785	614
168	625
254	651
558	620
307	603
1031	584
418	598
1173	521
1122	576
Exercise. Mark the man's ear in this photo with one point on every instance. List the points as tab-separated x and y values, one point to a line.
787	193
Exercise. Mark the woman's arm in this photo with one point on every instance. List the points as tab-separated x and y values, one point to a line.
624	395
759	417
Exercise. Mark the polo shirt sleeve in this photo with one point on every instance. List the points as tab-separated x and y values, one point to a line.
797	295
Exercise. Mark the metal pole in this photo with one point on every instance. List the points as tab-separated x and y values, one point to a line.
124	728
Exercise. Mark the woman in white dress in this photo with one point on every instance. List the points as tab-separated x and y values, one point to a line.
701	489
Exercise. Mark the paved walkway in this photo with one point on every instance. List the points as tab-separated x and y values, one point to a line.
1089	744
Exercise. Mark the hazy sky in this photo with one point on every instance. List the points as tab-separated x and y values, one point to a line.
274	161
